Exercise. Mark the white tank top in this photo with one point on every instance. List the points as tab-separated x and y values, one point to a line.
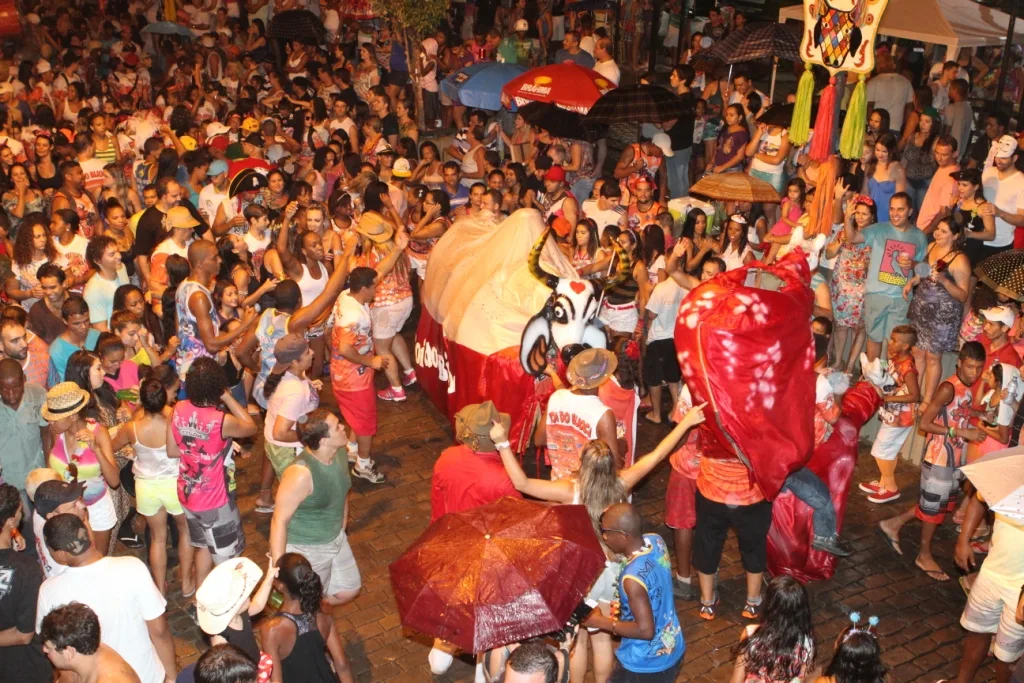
310	287
571	423
153	463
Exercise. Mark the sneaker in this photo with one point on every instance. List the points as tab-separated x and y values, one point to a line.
752	611
707	612
409	378
370	474
683	590
832	545
439	661
353	452
870	487
392	394
131	540
884	496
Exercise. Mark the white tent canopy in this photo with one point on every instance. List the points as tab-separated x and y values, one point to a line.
953	23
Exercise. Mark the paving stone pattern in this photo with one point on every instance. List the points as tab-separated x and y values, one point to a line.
921	635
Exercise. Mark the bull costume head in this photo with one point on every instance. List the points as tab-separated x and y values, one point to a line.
569	315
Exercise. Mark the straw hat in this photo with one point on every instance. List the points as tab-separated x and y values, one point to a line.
373	226
591	368
473	425
223	593
64	400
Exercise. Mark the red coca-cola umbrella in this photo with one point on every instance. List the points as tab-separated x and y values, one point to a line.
567	85
497	574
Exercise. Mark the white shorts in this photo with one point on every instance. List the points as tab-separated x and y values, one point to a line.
889	441
102	515
992	608
622	319
419	264
333	562
388	320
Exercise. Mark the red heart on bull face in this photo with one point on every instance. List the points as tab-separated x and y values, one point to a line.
577	286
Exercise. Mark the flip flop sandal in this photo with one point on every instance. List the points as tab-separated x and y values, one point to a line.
933	574
891	544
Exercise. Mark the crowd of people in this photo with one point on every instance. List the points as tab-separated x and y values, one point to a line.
208	236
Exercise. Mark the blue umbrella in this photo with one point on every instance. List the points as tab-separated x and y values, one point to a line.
168	28
479	85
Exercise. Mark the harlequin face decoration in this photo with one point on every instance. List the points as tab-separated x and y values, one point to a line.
840	34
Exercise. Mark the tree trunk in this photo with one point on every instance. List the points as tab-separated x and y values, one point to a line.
414	71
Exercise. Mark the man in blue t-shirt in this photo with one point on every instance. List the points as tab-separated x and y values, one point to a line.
895	247
652	641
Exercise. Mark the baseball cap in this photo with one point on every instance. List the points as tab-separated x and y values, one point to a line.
663	142
43	66
561	226
401	168
522	25
1000	314
555	173
387	149
179	217
216	128
250	125
287	350
217	167
1006	147
52	494
255	139
188	142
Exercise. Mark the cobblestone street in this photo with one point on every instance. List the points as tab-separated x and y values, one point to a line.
919	617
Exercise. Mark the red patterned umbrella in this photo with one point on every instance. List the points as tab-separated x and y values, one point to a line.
568	85
497	574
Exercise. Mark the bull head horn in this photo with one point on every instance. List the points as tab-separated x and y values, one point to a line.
622	271
534	260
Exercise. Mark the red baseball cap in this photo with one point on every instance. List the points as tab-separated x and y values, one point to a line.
555	173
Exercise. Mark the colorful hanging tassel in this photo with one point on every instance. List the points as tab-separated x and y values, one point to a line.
852	138
823	204
799	128
821	144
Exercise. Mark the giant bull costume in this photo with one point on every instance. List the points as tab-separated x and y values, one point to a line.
499	303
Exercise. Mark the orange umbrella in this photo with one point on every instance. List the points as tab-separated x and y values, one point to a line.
497	574
568	85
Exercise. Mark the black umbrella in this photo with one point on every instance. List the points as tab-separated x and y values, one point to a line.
561	123
782	114
297	24
636	104
758	41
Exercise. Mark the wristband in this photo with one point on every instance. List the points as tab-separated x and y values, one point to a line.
952	432
503	444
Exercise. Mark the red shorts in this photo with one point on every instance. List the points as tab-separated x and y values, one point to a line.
359	409
681	501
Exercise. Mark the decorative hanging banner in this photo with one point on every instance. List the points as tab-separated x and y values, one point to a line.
838	35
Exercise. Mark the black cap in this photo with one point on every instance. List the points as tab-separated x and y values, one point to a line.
255	139
52	494
970	175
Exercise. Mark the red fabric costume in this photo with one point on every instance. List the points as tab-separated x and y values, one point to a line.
748	353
